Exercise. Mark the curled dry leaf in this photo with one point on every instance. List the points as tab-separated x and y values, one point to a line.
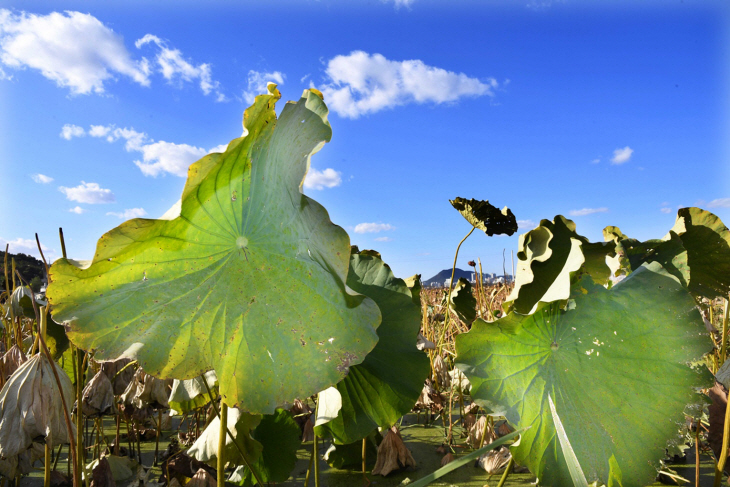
460	381
392	454
477	431
308	431
31	406
120	381
101	475
145	390
441	373
422	343
429	399
12	359
302	414
98	396
470	415
448	458
201	479
494	461
23	463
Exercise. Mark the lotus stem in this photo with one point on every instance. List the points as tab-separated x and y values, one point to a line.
720	467
309	469
221	464
451	286
697	452
63	242
723	345
80	453
364	458
116	438
507	470
159	432
233	439
58	455
47	466
315	455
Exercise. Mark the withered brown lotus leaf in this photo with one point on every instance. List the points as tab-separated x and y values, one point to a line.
392	454
98	396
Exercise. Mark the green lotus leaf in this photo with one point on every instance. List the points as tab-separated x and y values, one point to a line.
550	259
372	394
240	424
56	339
615	365
462	301
415	285
279	435
341	456
486	217
247	280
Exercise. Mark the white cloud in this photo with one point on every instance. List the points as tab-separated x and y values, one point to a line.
99	131
719	203
257	81
25	246
129	213
70	131
73	49
401	3
362	83
588	211
595	161
90	193
219	148
526	225
373	227
665	210
383	239
41	178
78	210
176	69
621	156
329	178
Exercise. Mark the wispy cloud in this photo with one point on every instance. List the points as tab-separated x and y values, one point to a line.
719	203
400	3
41	178
373	227
25	246
361	83
665	210
588	211
77	209
73	49
257	81
383	239
621	156
526	225
595	161
129	213
89	193
329	178
70	131
176	69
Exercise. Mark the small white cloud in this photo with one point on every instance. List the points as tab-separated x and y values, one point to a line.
89	193
621	156
588	211
329	178
73	49
167	157
719	203
219	148
665	210
526	224
361	83
176	69
383	239
70	131
78	210
257	81
595	161
400	3
304	78
373	227
129	214
41	178
99	131
25	246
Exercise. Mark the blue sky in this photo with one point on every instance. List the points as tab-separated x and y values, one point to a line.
608	113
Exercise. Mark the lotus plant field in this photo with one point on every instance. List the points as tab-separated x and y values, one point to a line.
242	340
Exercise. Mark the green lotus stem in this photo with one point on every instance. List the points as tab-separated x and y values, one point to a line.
80	453
423	481
364	453
720	466
63	242
451	286
314	447
133	362
507	470
233	439
697	452
723	345
58	455
221	464
159	433
309	469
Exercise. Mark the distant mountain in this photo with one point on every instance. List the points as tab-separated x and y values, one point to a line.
29	267
446	274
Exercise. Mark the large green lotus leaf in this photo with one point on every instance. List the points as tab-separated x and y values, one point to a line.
462	301
248	280
485	216
279	435
615	365
387	384
550	259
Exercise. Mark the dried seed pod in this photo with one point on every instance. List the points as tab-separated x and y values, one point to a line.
98	396
392	454
12	359
31	406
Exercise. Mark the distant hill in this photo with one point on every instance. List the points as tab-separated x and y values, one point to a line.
29	267
439	278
